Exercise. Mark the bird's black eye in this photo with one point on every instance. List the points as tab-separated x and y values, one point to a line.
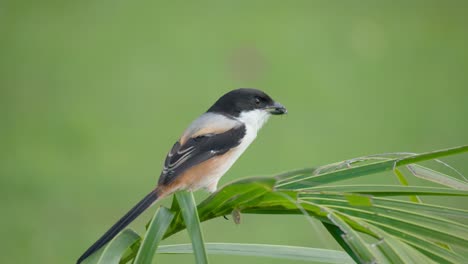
257	101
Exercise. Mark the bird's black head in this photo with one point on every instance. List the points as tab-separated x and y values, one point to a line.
241	100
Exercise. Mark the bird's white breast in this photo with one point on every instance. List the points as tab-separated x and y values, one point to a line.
253	121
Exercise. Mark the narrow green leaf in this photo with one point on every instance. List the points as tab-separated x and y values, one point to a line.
387	202
264	250
426	227
386	249
158	226
432	155
117	247
294	173
402	179
437	177
387	190
348	173
416	198
406	212
356	243
311	180
396	250
432	250
188	208
416	222
338	235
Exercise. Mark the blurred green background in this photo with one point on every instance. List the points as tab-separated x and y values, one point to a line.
94	93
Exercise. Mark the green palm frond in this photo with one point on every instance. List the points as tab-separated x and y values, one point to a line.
372	223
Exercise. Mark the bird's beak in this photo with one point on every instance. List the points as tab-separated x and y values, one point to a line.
277	109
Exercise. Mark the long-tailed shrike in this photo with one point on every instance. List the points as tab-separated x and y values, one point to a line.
205	151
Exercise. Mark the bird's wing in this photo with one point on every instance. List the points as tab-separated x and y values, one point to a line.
207	137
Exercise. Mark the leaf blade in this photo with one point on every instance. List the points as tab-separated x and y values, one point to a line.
264	250
402	179
158	226
189	211
312	179
437	177
387	190
117	247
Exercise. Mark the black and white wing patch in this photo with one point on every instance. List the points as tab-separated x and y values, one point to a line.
197	150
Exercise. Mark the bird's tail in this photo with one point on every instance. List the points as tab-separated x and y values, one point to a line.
139	208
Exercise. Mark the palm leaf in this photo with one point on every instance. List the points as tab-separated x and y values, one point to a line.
371	222
189	212
158	226
264	250
117	247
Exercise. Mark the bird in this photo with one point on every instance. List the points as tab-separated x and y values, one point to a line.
205	151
